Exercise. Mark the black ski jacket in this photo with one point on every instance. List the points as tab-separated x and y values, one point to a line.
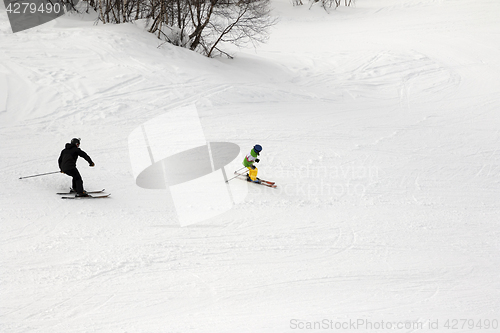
69	155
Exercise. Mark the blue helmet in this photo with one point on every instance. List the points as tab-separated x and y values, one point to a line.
257	148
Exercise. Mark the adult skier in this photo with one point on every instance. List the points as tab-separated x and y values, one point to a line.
248	162
67	165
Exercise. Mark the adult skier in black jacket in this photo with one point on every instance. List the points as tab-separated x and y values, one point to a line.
67	164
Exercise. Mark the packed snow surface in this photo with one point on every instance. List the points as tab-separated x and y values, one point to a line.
379	122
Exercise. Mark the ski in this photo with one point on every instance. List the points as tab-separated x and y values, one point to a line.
265	184
89	197
89	192
262	182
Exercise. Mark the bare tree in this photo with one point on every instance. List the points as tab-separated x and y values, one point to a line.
328	4
200	25
239	22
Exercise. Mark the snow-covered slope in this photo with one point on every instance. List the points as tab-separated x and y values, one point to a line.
379	122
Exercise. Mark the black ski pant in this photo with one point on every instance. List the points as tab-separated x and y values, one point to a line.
77	180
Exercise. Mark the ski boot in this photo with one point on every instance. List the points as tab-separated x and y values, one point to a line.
257	181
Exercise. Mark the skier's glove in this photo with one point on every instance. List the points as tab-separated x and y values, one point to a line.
91	164
257	161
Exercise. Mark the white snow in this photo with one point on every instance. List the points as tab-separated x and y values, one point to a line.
379	122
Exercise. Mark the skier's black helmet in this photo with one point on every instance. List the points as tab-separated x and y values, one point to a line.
75	141
257	148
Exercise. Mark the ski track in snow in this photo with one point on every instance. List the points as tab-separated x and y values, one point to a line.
379	123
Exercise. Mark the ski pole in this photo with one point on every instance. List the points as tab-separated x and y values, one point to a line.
227	181
240	169
41	174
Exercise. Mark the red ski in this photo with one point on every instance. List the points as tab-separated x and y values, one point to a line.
261	181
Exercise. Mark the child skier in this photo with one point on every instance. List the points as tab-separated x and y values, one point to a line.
248	162
67	165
